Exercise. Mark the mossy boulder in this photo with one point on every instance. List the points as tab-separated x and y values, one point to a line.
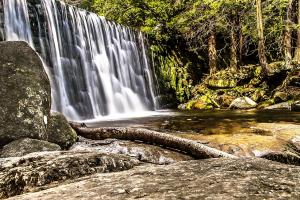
59	131
295	106
225	100
221	83
25	146
280	96
203	102
24	93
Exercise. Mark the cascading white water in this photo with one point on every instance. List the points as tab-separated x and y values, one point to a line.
96	67
18	20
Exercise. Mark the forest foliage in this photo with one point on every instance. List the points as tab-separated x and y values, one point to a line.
192	38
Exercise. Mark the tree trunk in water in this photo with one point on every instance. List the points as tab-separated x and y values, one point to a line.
297	53
287	35
190	147
212	53
261	43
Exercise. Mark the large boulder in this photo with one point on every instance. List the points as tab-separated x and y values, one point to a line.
25	99
25	146
24	93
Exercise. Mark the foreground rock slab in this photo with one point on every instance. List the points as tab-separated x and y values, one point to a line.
28	173
212	179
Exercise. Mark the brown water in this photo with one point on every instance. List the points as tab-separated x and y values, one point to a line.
204	122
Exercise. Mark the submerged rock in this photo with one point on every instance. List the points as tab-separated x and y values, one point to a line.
252	139
25	146
243	103
24	93
203	179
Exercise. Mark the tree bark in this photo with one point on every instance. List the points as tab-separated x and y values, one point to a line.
288	35
297	52
233	51
234	60
241	43
190	147
212	53
261	43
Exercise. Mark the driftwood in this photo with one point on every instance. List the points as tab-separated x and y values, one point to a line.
190	147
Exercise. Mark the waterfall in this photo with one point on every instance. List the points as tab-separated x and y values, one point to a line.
96	67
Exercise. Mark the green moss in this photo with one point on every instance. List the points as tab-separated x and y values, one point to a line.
222	83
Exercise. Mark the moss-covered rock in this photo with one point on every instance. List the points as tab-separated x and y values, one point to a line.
280	96
59	131
24	93
295	106
25	146
221	83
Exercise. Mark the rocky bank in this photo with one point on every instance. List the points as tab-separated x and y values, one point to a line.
203	179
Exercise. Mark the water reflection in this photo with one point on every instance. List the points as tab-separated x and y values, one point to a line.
205	122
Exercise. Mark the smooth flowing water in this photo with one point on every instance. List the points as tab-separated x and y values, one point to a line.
96	67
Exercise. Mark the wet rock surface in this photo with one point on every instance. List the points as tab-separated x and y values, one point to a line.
250	178
25	146
37	170
279	106
143	152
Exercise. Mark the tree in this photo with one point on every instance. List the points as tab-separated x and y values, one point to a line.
212	52
261	43
288	35
297	52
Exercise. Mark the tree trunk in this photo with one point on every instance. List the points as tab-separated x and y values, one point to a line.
212	53
287	35
297	53
190	147
241	43
261	43
233	51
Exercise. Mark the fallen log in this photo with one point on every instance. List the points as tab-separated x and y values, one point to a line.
190	147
